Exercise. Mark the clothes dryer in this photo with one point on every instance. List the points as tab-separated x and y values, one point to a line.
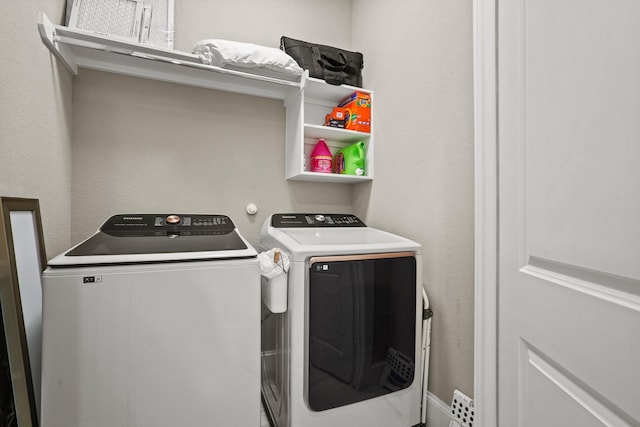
348	349
153	321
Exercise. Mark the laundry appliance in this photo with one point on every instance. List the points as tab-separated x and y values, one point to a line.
153	321
352	345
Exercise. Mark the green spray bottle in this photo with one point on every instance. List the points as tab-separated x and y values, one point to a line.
350	159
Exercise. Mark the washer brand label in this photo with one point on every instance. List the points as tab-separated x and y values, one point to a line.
92	279
322	267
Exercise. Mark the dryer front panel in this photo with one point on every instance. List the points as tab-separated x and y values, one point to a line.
361	328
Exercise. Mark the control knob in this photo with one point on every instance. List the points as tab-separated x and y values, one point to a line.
173	220
320	218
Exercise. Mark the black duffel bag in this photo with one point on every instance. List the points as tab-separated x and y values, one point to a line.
333	65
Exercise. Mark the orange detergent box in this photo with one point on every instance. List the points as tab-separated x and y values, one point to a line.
337	119
358	108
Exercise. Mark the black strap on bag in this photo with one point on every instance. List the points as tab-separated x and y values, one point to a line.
333	65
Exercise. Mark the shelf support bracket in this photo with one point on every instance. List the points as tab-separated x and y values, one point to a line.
48	34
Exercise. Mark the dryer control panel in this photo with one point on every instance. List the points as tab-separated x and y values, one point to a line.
297	220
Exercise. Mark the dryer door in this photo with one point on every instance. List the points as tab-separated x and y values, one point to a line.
362	324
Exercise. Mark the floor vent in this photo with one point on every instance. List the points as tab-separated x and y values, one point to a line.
463	414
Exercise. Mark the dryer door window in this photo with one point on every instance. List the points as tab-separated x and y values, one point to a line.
362	327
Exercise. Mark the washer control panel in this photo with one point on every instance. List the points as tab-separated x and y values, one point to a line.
153	223
296	220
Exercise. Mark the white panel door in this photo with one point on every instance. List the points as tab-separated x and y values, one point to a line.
569	213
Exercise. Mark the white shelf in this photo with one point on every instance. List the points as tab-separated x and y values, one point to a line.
82	49
330	178
307	100
334	134
306	113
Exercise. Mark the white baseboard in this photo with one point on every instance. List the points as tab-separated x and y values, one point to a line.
437	412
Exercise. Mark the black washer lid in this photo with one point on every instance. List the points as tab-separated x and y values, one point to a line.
159	237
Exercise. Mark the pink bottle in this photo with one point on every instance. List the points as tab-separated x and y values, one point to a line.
321	158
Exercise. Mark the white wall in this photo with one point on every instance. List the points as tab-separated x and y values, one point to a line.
147	146
35	119
263	22
418	59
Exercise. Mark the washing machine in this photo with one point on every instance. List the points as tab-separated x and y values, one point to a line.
350	347
153	321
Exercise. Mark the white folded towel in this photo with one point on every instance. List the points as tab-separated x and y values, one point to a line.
246	55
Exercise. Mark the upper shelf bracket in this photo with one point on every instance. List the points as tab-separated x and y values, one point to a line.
48	34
